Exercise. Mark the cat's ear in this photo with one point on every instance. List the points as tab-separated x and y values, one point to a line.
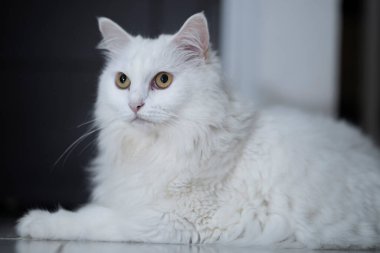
193	37
114	37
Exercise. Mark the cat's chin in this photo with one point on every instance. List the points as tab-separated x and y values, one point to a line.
140	122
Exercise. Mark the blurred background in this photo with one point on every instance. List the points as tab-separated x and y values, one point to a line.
321	56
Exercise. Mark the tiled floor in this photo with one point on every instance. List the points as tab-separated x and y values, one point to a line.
10	243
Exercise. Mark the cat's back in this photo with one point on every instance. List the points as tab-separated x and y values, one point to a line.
315	169
314	147
314	135
312	155
321	147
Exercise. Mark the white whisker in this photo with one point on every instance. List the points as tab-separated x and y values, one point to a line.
69	149
90	132
88	145
86	123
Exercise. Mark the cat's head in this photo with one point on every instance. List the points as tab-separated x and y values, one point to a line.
154	83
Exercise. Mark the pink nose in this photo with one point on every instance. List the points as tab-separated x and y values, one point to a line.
135	107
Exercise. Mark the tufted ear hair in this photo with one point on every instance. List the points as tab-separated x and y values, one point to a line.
114	37
193	37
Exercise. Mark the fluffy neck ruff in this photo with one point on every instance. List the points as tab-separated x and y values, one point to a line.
202	150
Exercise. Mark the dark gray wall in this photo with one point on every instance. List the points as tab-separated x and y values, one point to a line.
359	98
49	68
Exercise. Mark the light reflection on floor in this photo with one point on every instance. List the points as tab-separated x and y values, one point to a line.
10	243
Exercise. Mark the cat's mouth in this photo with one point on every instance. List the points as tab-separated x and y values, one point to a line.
140	120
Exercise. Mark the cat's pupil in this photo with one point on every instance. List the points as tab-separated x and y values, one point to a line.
123	78
164	78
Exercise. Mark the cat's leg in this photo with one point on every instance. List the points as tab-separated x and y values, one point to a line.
88	223
102	224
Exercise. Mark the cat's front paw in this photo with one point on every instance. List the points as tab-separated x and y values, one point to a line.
35	224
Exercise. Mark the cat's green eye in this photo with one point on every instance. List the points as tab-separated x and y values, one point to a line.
163	80
122	81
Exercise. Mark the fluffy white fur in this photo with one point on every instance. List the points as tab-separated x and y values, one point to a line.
197	166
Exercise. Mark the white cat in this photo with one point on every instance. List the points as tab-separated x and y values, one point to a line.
183	161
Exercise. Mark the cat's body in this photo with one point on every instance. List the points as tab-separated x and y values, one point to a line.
198	167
